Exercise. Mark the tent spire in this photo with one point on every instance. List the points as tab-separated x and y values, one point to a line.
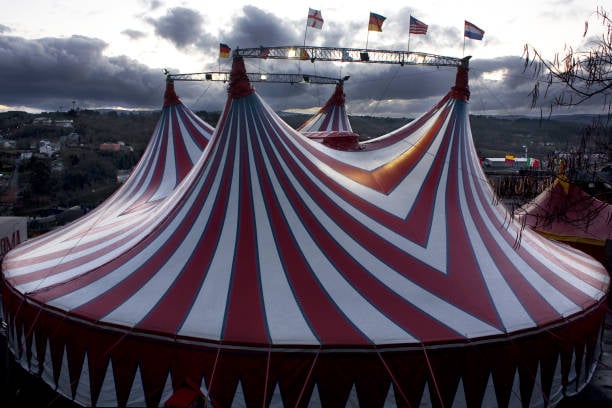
338	96
170	97
239	85
461	90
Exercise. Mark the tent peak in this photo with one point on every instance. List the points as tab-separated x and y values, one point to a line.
338	98
461	90
170	97
239	85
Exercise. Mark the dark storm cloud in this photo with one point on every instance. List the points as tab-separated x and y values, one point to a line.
51	72
256	27
134	34
4	29
181	26
48	72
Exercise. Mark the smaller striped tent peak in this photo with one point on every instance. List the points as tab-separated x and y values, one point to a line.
176	144
330	126
281	270
331	117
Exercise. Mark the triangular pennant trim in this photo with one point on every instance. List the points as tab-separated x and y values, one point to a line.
63	381
47	371
425	396
167	391
537	393
277	398
515	394
315	399
204	390
390	400
556	388
460	401
353	398
23	350
82	394
108	393
572	380
239	401
598	342
136	397
489	399
34	364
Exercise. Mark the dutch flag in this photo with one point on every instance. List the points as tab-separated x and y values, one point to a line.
473	32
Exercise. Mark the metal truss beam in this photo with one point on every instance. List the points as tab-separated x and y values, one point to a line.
257	77
308	53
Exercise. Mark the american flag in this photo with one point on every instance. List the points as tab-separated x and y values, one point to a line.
417	27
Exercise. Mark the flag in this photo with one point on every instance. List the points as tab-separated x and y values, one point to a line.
417	27
315	19
509	159
473	32
376	22
224	50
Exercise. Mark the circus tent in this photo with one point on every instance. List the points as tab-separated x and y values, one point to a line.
284	272
564	212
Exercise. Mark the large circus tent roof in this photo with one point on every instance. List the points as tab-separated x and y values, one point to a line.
281	271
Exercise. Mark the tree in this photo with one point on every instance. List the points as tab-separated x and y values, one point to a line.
582	74
40	176
575	77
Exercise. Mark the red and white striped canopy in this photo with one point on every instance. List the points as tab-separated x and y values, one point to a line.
331	117
330	125
176	144
283	272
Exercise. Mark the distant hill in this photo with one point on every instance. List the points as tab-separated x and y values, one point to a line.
88	174
494	136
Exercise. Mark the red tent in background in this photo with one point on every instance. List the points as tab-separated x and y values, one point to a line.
566	213
281	272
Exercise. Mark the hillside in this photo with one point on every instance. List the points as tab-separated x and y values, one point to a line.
81	174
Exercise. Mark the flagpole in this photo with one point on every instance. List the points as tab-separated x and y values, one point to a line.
408	49
367	38
463	52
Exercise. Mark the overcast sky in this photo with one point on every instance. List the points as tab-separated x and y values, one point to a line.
111	54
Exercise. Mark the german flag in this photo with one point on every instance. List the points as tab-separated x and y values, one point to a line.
376	22
224	50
